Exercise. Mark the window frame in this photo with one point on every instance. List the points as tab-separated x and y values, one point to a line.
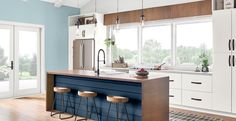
173	23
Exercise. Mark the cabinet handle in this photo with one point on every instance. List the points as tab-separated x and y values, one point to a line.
230	60
171	96
233	61
229	44
171	80
196	82
12	65
196	99
233	44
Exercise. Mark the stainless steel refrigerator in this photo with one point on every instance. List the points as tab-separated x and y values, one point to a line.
84	54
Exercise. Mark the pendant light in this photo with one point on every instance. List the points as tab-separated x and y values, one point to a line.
142	15
117	16
95	11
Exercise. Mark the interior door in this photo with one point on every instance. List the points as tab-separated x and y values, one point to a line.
222	70
222	31
27	61
6	59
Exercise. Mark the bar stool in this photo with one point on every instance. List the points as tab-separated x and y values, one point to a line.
117	100
87	95
62	91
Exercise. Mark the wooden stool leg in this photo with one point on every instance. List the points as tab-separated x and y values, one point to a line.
126	112
108	111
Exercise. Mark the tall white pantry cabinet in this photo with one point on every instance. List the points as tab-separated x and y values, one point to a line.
224	69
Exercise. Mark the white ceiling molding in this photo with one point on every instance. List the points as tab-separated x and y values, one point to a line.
70	3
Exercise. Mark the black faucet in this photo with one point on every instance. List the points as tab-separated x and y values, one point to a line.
98	60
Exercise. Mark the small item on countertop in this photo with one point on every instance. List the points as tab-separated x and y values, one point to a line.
197	69
142	72
158	67
120	63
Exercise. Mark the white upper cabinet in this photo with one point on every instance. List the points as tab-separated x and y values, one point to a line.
222	31
234	29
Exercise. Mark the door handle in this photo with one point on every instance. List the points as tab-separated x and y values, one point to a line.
83	55
233	61
12	65
229	60
196	82
196	99
171	80
233	44
229	44
171	96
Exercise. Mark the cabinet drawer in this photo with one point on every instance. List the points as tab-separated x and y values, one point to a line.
197	82
197	99
175	96
175	80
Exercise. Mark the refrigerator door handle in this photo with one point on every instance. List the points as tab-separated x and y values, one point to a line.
229	44
81	55
229	60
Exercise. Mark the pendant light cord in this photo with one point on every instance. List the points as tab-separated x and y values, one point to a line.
142	16
117	10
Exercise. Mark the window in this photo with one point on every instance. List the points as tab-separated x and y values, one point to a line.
193	39
176	43
126	45
156	45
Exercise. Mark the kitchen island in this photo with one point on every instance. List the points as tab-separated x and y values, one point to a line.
148	97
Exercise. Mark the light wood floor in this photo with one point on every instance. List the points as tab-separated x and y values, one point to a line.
33	109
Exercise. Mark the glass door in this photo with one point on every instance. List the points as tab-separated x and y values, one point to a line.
6	61
27	61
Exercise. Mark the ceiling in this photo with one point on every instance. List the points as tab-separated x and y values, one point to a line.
71	3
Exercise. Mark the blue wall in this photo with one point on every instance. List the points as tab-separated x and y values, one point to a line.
55	21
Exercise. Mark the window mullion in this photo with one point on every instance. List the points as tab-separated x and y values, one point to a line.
173	43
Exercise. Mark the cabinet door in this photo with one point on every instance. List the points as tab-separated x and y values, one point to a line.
222	82
234	68
234	30
221	30
234	84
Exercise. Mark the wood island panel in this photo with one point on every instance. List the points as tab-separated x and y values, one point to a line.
148	98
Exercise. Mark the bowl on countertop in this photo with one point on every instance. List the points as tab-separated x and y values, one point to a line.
145	73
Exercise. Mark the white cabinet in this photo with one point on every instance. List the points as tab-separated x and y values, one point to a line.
197	99
197	82
86	31
224	30
175	80
222	82
175	96
234	86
